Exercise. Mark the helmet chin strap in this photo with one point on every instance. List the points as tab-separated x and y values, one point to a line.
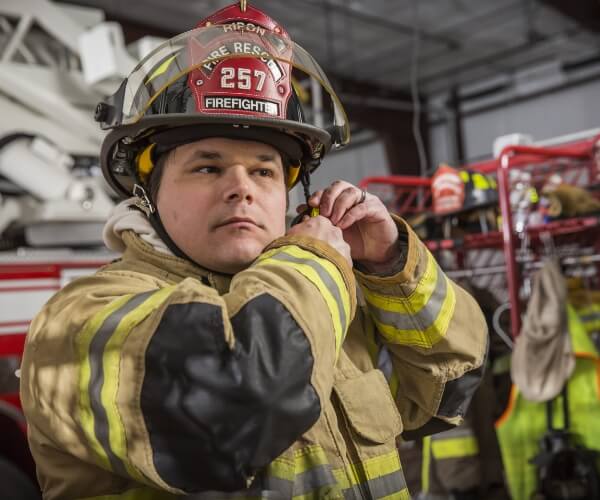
312	212
146	205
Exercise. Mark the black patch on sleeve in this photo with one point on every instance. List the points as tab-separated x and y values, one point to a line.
455	401
215	415
433	426
459	392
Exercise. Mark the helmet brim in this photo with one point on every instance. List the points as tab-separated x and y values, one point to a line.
298	141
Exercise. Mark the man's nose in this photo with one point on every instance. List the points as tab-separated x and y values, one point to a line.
238	185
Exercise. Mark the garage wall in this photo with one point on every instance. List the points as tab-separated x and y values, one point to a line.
544	117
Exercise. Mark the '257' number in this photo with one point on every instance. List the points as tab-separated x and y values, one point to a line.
243	79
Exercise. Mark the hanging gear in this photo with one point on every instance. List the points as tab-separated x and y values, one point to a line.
524	423
467	200
455	191
565	471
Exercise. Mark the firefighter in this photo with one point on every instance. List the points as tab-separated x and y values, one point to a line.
223	356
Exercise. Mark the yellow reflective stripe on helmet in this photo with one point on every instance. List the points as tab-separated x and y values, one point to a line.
112	364
145	164
86	416
324	275
161	69
422	318
457	447
425	464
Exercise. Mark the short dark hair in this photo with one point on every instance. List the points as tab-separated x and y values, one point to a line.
153	182
155	177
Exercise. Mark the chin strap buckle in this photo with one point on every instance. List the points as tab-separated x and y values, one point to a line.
142	201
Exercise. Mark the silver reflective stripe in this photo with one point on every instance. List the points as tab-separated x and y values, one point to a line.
387	485
380	487
284	487
384	362
457	432
97	346
251	494
325	277
422	319
354	493
313	479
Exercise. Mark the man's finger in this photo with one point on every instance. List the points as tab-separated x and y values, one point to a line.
315	198
344	202
355	214
330	195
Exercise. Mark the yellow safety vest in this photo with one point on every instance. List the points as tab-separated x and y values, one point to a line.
523	423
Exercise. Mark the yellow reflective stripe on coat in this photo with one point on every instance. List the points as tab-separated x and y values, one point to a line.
381	476
324	275
457	447
422	318
306	476
86	416
100	350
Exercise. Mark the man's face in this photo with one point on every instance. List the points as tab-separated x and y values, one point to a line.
223	200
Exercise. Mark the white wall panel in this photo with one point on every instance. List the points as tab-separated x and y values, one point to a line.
544	117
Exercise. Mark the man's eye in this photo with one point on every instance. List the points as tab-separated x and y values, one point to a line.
265	172
203	169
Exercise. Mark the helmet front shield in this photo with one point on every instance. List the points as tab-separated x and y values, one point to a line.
254	76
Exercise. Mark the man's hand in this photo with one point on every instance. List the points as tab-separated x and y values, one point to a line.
366	225
322	229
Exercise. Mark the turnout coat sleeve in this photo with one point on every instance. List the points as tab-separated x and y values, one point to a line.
427	335
173	385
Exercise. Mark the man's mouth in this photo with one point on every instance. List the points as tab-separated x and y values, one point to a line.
239	222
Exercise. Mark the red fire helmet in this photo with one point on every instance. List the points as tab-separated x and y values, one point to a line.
232	76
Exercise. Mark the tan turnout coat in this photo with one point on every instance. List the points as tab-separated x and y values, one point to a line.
154	377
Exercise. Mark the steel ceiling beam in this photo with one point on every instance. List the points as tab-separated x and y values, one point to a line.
382	22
